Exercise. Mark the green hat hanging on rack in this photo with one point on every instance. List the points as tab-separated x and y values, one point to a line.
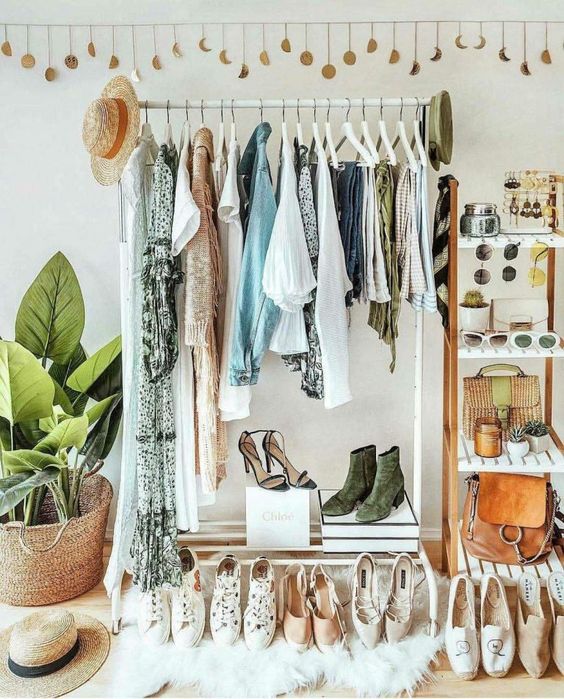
440	130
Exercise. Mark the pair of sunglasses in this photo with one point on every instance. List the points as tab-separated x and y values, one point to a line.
484	252
537	276
473	339
518	340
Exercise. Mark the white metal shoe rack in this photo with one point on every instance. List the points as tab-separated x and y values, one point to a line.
210	532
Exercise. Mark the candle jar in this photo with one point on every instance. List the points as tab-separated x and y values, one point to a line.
479	220
488	437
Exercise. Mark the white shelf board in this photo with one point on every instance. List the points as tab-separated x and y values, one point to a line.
551	461
488	352
509	574
526	240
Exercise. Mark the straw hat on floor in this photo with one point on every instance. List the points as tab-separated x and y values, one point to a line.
110	129
50	653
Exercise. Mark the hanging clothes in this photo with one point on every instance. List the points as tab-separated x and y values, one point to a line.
185	223
136	199
308	363
333	284
407	235
256	315
375	264
155	559
441	233
288	277
234	401
349	181
428	299
203	284
384	317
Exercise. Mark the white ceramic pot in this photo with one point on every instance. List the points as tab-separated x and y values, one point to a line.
538	444
474	319
517	450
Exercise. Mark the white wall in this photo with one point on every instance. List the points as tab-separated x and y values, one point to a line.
51	202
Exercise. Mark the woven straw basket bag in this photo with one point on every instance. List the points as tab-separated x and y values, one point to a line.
50	563
514	399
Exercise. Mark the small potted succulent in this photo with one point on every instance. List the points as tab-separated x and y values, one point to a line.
474	311
517	444
538	436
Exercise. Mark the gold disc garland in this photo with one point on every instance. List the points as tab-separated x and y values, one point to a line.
545	55
286	46
349	57
223	53
202	43
525	65
244	72
458	40
328	71
6	47
50	73
438	52
415	66
176	50
156	61
502	51
263	56
306	56
71	61
482	39
27	60
91	48
114	60
372	44
394	53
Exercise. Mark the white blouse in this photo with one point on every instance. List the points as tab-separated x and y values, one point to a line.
333	283
288	277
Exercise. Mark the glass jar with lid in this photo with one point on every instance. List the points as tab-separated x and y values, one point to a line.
480	220
488	437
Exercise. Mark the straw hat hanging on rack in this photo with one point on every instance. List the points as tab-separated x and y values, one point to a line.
110	129
50	653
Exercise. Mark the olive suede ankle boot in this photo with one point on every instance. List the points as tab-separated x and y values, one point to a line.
387	491
358	484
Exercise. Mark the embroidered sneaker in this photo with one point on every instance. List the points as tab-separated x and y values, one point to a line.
187	602
497	637
153	617
260	614
461	633
225	609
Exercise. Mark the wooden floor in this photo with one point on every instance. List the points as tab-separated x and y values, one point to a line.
516	684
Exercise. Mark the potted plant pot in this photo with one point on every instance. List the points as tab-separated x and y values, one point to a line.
474	312
538	444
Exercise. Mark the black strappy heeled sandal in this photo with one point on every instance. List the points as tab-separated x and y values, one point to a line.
273	451
248	449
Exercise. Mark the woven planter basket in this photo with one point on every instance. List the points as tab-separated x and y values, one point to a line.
54	562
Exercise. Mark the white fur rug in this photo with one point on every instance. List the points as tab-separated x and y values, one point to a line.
389	670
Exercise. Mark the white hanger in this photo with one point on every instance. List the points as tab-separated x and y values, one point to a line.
367	137
299	131
329	138
400	129
203	122
347	130
386	139
220	152
418	141
317	136
233	135
185	133
284	129
147	134
167	138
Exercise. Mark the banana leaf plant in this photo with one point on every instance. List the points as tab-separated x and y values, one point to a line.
60	409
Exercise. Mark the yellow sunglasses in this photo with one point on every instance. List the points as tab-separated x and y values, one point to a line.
537	276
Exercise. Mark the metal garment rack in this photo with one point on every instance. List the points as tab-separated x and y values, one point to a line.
313	553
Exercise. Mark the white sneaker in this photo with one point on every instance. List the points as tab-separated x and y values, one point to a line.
260	614
366	614
461	633
153	617
497	637
187	602
225	608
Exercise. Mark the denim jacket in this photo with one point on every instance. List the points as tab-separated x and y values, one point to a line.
256	315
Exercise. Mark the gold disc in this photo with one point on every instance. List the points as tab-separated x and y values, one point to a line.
372	45
7	48
28	61
349	57
306	58
176	52
285	45
264	59
438	54
244	71
546	57
415	68
394	56
156	62
328	71
91	49
71	61
114	62
223	57
50	74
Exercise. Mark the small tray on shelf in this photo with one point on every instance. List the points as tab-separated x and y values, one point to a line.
551	461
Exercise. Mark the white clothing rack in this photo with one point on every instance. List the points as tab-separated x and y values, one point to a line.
315	550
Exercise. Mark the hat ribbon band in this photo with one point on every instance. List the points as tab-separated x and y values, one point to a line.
48	668
122	128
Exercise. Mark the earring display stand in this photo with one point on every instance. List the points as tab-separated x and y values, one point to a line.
458	452
217	537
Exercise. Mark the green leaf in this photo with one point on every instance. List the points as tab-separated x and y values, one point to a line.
26	389
98	409
21	460
93	369
47	424
5	436
102	436
50	318
61	373
27	434
69	433
15	488
61	398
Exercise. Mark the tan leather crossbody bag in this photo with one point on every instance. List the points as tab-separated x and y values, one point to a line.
510	518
